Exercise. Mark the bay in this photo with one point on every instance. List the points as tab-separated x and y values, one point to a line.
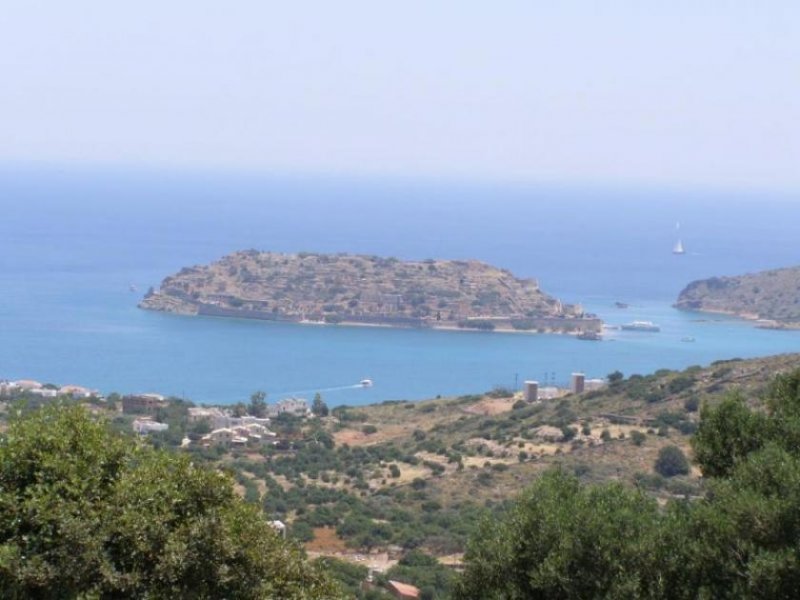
74	241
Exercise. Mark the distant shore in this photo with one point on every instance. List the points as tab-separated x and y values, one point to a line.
746	316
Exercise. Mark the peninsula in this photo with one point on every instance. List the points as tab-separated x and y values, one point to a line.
771	298
366	290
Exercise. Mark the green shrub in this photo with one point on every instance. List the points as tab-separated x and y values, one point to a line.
671	461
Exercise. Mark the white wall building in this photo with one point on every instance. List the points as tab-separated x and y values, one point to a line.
143	426
293	406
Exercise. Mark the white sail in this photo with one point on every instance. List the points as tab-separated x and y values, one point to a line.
678	247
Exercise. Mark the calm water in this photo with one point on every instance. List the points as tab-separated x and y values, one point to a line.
73	242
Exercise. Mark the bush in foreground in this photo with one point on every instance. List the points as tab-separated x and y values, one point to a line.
87	513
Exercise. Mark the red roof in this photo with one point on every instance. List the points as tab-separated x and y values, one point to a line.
405	589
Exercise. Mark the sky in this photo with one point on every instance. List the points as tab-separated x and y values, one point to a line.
686	92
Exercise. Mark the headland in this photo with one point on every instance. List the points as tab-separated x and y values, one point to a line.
770	298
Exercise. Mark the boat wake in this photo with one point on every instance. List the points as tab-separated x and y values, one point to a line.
338	388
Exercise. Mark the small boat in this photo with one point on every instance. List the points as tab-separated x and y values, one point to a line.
132	288
621	305
640	326
365	383
688	338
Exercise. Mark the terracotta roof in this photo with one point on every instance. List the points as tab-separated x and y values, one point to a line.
405	588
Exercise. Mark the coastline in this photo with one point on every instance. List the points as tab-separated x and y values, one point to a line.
596	324
753	318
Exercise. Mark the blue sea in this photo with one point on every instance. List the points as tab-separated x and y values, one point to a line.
75	240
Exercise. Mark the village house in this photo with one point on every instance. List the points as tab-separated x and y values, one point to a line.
249	419
402	591
44	392
8	387
216	417
77	392
238	435
224	436
293	406
279	526
142	403
27	384
146	425
220	419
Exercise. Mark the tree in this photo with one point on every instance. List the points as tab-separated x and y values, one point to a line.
258	405
727	433
424	571
615	377
318	406
239	409
201	427
88	513
671	461
564	540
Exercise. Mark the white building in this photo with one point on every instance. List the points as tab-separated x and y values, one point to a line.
143	426
249	419
595	384
8	387
77	391
293	406
279	526
217	418
27	384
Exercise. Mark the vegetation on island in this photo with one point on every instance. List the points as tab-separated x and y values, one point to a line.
367	290
771	296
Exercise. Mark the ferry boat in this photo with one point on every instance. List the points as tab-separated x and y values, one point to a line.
640	326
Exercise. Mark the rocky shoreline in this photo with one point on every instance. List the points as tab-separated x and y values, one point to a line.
771	299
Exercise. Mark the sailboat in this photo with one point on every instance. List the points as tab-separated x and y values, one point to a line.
678	247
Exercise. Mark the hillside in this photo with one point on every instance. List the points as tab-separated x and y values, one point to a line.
773	297
367	484
365	290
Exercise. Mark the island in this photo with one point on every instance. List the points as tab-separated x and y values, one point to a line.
770	298
367	290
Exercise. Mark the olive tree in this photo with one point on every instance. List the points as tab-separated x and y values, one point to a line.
87	513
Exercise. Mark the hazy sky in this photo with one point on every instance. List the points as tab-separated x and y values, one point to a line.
680	92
